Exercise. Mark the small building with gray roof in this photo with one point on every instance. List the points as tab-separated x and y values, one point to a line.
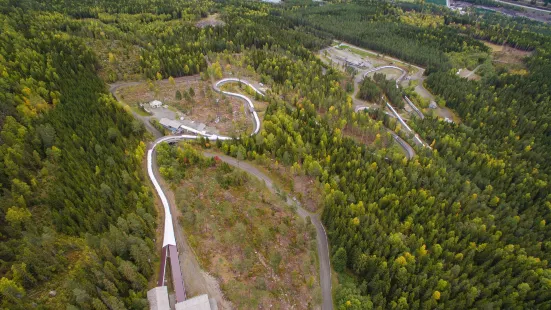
170	124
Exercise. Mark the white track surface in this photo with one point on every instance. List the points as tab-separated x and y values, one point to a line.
421	115
408	129
404	72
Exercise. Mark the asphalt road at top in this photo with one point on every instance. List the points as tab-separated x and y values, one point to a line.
524	6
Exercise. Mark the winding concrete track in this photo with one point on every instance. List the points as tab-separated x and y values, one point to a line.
416	137
169	235
409	150
365	107
398	80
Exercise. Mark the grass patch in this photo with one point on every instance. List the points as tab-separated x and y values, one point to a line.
469	60
494	47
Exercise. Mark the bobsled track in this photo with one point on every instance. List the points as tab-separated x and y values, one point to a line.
407	129
169	247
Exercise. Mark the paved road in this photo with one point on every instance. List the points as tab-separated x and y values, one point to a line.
524	6
145	119
422	91
364	105
172	237
384	56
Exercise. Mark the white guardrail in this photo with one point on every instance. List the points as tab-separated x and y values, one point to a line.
169	236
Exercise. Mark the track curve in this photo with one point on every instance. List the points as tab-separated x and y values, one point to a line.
404	72
169	236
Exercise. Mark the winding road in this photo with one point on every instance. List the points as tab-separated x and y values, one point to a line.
145	119
169	239
321	235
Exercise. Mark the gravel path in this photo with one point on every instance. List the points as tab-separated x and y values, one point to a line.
321	235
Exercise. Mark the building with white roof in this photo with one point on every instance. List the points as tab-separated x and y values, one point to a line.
155	104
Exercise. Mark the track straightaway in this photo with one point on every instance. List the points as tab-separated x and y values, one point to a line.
169	236
412	105
416	138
